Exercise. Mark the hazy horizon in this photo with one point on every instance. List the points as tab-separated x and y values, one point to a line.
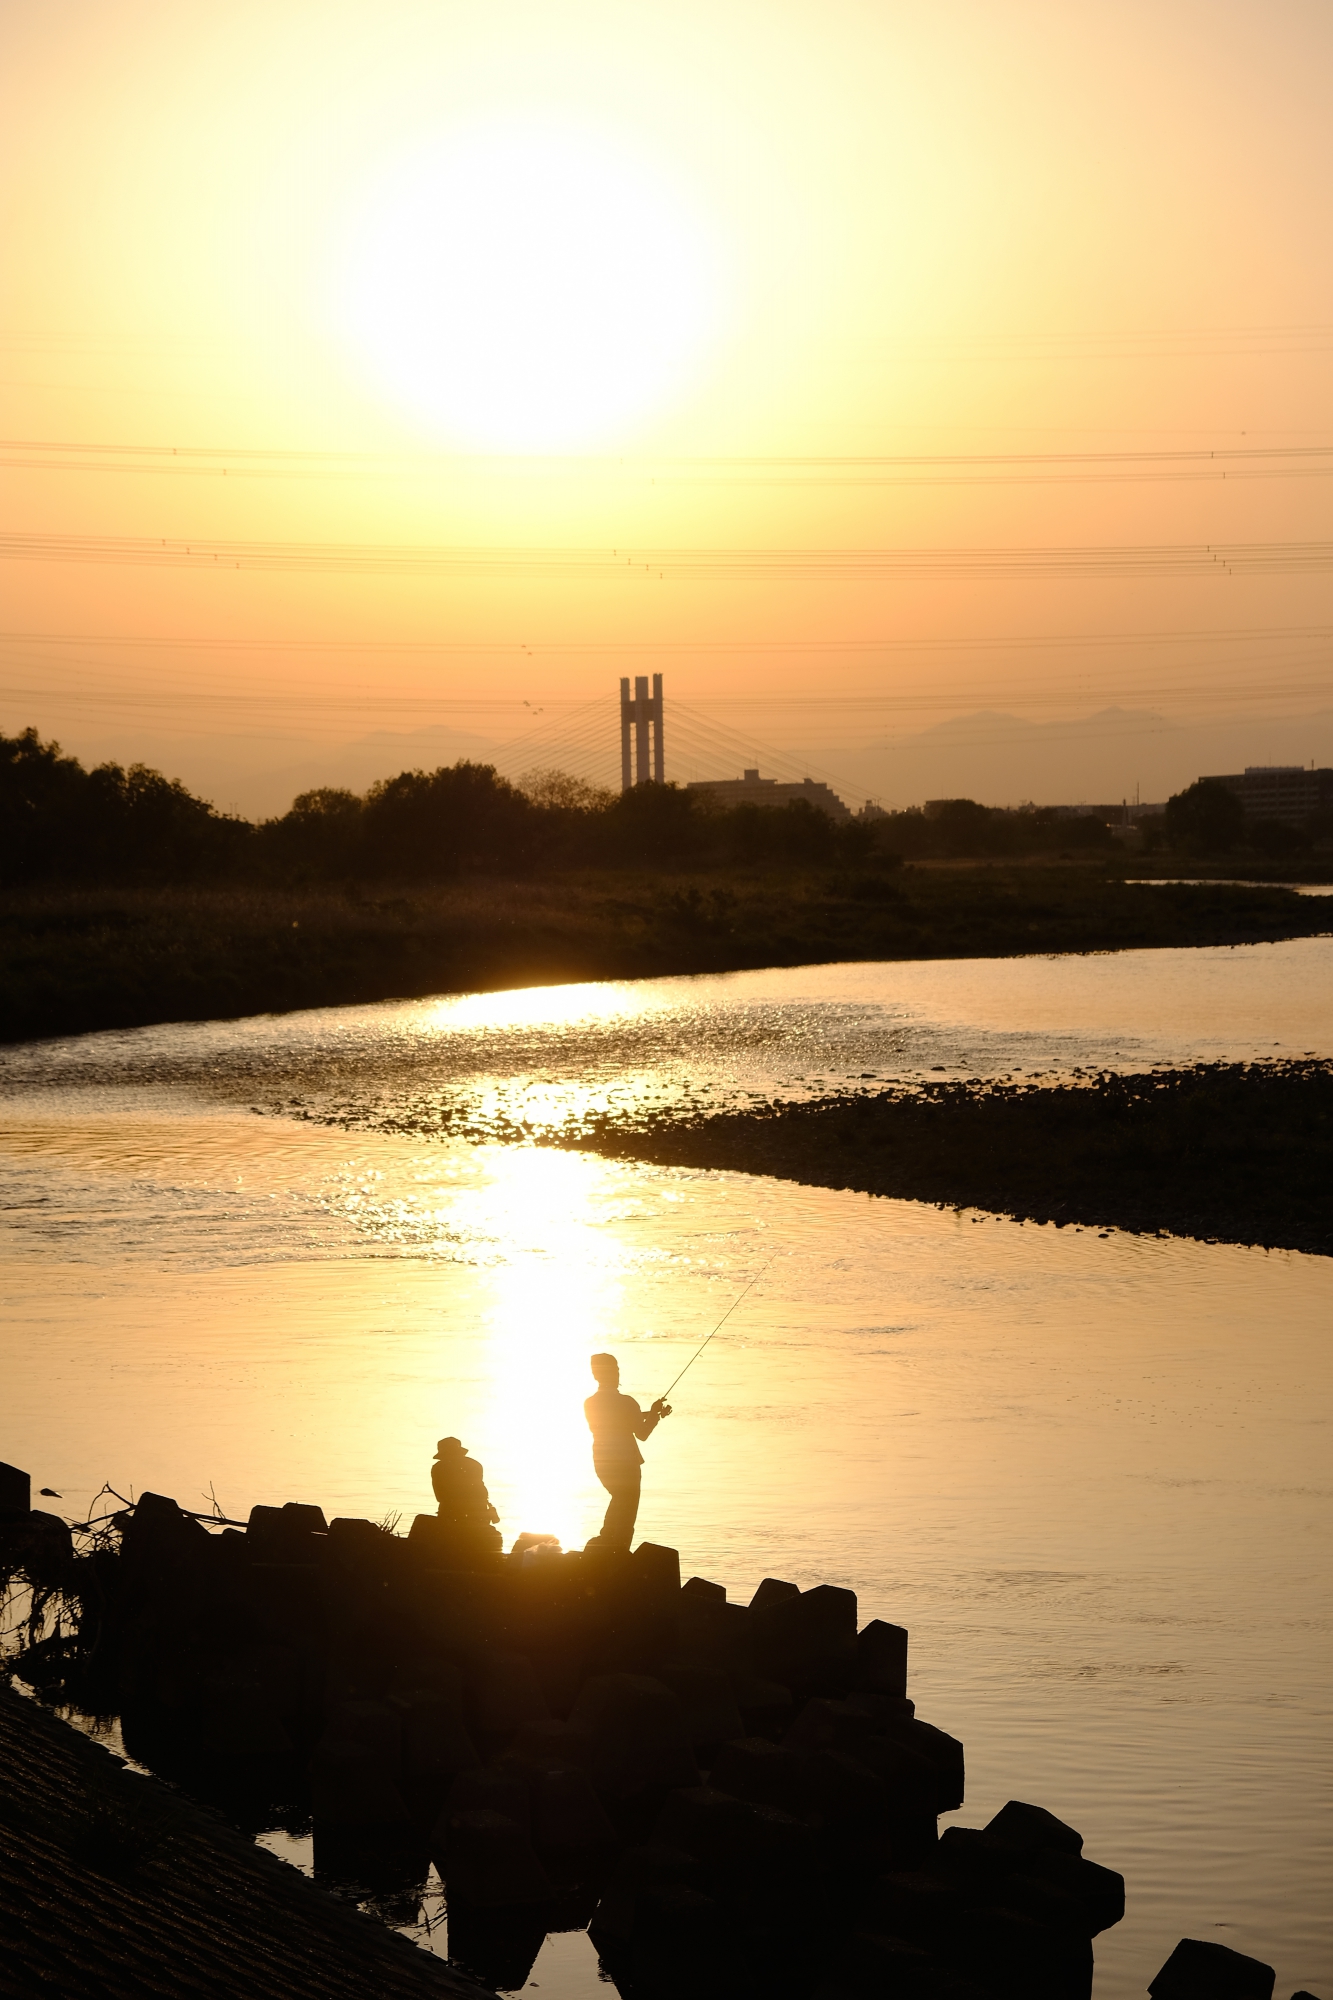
864	371
998	759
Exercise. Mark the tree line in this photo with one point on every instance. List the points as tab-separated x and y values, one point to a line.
62	823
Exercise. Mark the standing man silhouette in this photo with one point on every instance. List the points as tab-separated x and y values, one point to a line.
617	1424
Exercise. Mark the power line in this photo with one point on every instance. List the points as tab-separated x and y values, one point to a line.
676	648
60	451
680	565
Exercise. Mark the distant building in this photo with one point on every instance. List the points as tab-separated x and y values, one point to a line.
752	790
1124	813
1288	793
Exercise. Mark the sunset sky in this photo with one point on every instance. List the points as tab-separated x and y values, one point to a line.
381	369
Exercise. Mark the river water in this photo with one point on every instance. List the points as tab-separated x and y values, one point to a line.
1092	1472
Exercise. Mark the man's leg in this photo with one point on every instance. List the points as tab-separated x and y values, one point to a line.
623	1486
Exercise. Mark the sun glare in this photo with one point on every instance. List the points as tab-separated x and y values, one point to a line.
556	1297
528	286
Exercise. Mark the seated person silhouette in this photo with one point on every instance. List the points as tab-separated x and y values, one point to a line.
464	1508
617	1424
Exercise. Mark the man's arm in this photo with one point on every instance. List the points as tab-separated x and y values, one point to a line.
646	1421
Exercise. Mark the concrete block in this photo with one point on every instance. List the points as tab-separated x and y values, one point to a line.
425	1676
915	1904
15	1490
657	1569
807	1642
699	1586
945	1752
684	1944
911	1781
238	1722
882	1708
286	1534
1038	1897
850	1800
869	1963
673	1915
1205	1971
881	1657
766	1706
1099	1892
640	1868
275	1671
712	1633
496	1946
436	1744
553	1745
487	1860
568	1819
157	1532
359	1549
707	1702
453	1545
38	1543
758	1769
532	1548
772	1591
703	1821
970	1857
638	1736
351	1790
824	1724
494	1789
504	1693
1019	1959
1027	1829
375	1724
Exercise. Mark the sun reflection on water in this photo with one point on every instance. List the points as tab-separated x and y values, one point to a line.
542	1006
556	1297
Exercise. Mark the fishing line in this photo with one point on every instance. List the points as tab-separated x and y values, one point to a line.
718	1328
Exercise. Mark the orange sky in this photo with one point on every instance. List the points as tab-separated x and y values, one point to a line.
774	283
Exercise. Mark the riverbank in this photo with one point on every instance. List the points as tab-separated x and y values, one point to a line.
1225	1152
114	1886
75	961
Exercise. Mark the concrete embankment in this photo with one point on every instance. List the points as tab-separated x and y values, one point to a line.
113	1886
737	1799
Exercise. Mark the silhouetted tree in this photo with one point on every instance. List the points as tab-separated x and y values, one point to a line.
320	836
652	825
1206	818
1275	840
60	822
432	823
40	789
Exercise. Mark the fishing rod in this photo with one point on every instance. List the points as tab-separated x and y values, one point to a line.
718	1328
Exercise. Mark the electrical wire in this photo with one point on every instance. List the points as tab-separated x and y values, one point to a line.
681	565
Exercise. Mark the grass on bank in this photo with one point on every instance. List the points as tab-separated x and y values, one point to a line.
76	960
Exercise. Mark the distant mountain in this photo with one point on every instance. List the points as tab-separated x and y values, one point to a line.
990	755
1003	759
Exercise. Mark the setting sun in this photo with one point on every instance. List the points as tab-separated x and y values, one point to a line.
527	286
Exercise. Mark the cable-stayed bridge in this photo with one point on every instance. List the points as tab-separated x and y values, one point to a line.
588	743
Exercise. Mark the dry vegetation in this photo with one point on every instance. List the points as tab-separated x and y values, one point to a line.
73	960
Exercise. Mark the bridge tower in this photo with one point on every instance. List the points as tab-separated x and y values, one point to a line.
641	727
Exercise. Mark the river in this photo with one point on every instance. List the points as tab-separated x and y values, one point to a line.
1092	1472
